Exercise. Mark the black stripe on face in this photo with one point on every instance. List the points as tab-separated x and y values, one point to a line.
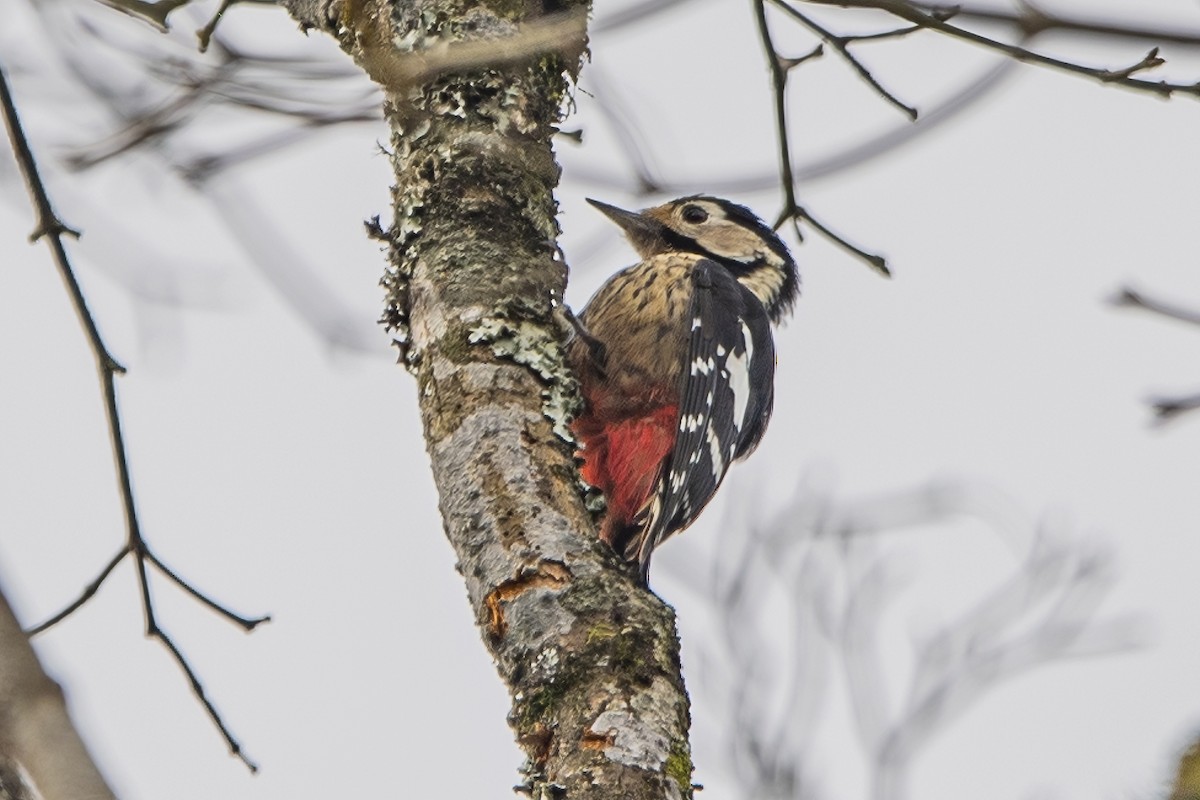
686	244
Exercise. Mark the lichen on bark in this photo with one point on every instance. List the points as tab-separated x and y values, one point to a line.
591	659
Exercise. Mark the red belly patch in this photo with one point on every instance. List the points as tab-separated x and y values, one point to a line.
623	457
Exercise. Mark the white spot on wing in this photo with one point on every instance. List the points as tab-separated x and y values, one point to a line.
739	378
718	464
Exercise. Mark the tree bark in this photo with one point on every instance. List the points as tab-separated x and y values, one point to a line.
35	729
591	659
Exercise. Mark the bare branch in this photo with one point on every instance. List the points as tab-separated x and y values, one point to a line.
1031	21
795	61
84	596
51	227
1132	298
841	45
792	210
245	623
205	34
627	133
1150	61
305	96
155	13
895	33
1118	77
875	261
1167	409
779	76
399	71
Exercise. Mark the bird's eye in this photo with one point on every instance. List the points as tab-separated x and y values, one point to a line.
694	214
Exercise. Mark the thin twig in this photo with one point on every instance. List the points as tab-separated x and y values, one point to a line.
155	13
51	227
895	33
205	34
1033	21
150	125
626	132
235	748
299	92
1165	409
779	77
1124	77
246	623
841	45
792	210
84	596
203	168
792	63
875	261
1131	298
1169	408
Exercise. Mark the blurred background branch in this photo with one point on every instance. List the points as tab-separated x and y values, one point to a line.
51	228
837	570
1165	408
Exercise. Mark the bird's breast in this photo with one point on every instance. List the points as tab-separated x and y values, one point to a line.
641	315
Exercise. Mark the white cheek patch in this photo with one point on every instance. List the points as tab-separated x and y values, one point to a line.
765	283
730	239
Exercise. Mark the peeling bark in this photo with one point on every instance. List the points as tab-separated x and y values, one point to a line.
591	660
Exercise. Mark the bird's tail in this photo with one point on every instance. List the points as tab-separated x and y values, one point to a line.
640	547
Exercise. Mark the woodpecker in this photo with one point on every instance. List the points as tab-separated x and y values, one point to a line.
676	364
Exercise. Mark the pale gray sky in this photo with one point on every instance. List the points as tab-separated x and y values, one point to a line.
286	475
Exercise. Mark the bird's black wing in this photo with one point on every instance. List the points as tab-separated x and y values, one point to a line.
726	394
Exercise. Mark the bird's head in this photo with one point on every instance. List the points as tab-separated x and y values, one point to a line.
727	233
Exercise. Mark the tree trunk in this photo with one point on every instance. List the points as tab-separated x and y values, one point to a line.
36	731
591	659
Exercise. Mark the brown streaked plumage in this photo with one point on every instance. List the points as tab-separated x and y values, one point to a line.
676	368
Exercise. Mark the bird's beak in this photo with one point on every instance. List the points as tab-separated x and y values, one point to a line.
640	228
